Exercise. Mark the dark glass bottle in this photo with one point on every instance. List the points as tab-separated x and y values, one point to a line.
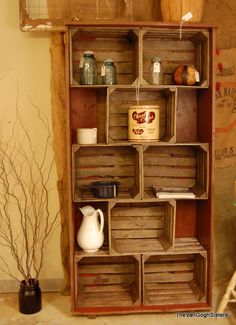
29	297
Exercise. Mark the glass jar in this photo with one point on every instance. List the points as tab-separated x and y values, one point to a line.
88	69
108	72
156	71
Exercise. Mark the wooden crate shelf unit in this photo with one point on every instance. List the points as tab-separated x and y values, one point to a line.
157	250
174	279
112	282
142	227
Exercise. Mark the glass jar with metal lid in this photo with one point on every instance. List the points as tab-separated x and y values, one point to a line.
108	72
156	71
88	69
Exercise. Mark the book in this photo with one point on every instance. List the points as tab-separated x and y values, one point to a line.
173	193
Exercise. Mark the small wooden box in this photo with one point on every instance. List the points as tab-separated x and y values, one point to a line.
142	227
174	279
191	47
176	166
106	163
108	281
120	100
119	45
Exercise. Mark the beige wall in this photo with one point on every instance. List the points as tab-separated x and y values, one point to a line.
25	68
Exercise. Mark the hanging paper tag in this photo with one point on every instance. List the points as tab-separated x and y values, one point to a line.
81	63
156	67
103	70
197	76
187	16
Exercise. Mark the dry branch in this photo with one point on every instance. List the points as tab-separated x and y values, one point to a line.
26	221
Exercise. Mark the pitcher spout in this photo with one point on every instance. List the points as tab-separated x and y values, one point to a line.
87	210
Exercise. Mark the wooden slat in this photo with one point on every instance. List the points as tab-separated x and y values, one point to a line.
140	233
169	277
138	246
168	288
125	183
169	267
169	160
169	182
170	171
105	268
169	45
138	210
104	150
107	288
148	222
105	171
104	160
107	279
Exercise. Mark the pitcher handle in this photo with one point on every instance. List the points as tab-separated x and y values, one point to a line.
101	220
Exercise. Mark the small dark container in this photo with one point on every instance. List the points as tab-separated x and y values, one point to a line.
105	189
29	297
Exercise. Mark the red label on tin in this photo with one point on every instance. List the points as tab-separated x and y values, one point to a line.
143	117
137	131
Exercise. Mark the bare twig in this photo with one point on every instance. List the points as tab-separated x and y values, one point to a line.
26	222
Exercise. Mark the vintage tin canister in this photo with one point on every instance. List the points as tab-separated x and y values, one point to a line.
144	123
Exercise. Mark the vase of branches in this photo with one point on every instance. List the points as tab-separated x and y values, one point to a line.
26	219
29	297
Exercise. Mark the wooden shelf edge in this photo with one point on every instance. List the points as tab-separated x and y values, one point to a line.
140	309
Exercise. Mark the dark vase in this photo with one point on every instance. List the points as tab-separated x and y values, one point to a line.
29	297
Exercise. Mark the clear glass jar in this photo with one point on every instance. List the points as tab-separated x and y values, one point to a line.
88	69
156	71
108	72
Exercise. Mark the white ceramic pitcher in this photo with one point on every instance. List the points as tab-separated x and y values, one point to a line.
90	236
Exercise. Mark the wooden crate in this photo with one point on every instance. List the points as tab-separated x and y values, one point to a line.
52	15
106	163
108	282
176	167
142	227
119	45
192	48
119	101
174	279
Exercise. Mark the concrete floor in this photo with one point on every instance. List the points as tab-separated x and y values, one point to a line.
56	311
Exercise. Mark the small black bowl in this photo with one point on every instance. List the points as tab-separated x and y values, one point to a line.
105	189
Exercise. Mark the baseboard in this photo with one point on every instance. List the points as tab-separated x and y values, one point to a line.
46	285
